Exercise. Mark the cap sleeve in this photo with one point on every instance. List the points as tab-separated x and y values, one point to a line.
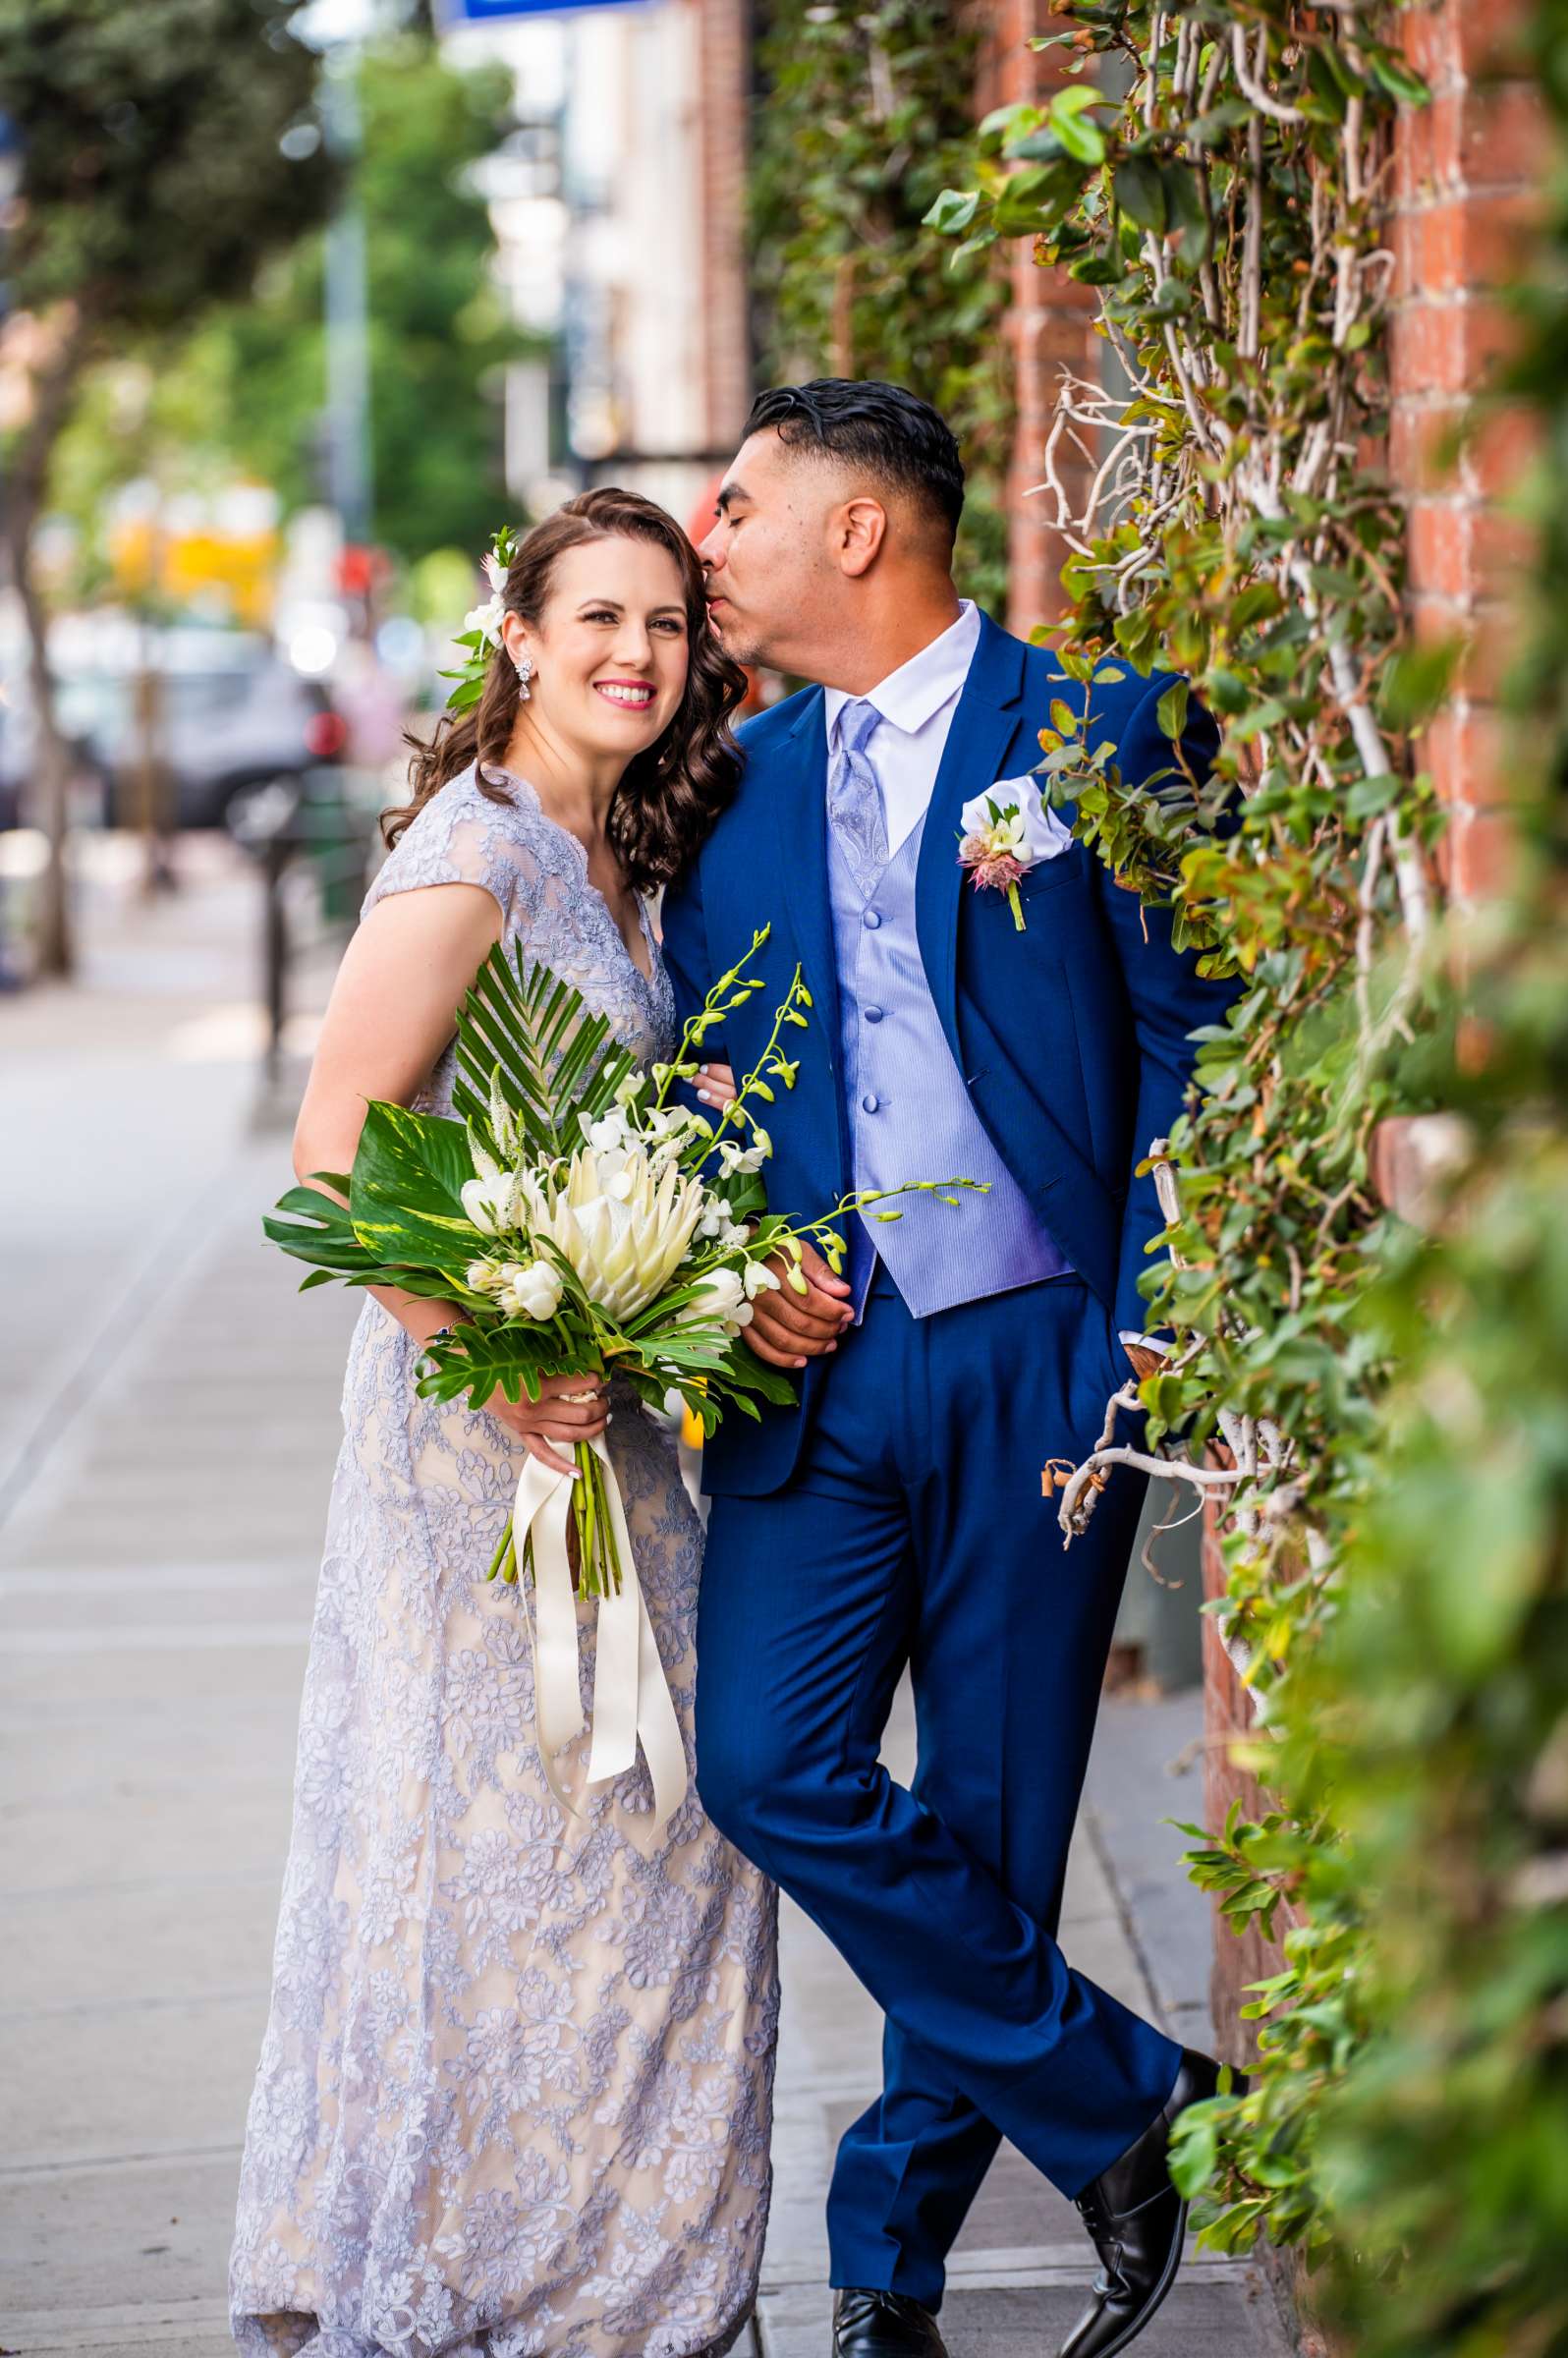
458	837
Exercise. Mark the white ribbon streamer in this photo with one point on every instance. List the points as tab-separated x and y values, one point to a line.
631	1698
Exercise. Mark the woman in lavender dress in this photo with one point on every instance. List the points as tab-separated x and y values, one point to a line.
514	2096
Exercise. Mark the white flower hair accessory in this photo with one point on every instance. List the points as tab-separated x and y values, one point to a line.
481	634
1008	830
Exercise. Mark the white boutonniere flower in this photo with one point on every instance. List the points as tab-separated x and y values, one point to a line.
1008	830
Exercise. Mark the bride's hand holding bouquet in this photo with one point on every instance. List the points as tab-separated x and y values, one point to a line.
587	1226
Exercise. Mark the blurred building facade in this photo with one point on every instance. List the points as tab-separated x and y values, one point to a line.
618	206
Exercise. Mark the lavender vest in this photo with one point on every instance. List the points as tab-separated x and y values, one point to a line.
910	1114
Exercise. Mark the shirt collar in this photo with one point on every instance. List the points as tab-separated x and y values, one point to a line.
917	691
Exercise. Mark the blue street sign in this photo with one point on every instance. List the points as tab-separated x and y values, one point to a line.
490	12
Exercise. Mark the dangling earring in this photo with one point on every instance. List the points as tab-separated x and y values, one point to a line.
524	673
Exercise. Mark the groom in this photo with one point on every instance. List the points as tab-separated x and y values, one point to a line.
895	1518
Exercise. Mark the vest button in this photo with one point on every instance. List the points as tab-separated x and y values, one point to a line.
871	920
874	1015
869	1103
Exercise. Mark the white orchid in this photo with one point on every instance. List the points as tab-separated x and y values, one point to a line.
491	1200
623	1229
610	1131
734	1157
760	1280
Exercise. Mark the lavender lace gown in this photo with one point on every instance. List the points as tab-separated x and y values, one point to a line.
515	2092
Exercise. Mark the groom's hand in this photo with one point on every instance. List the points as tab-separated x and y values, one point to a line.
788	1329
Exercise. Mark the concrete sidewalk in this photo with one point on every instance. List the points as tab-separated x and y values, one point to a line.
168	1418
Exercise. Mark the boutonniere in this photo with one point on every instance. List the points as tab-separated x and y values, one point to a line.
1007	831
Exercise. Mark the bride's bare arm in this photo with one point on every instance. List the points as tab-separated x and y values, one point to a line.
390	1014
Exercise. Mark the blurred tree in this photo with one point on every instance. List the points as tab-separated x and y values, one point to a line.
439	335
157	171
243	391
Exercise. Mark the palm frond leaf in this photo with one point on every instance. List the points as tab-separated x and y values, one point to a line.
530	1035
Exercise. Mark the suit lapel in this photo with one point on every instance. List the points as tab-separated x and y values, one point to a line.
800	808
980	746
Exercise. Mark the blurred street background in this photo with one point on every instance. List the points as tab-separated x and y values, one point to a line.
389	282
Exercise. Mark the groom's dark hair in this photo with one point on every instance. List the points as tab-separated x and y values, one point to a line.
898	438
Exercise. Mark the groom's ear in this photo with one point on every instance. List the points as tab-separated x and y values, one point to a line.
859	532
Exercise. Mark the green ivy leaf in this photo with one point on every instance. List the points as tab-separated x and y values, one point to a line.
1171	710
1140	190
953	211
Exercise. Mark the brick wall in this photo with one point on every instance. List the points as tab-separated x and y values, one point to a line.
1048	324
1467	168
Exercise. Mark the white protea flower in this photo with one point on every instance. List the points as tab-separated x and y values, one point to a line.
623	1229
486	1276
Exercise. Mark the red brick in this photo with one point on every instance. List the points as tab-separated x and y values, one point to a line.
1423	442
1428	37
1466	751
1504	442
1439	547
1484	853
1471	240
1504	549
1491	37
1449	346
1505	140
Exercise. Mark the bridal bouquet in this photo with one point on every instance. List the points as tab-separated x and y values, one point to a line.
583	1223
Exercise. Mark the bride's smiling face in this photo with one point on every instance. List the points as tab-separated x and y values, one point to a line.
609	648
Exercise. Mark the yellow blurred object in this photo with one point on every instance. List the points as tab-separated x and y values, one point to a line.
690	1428
182	564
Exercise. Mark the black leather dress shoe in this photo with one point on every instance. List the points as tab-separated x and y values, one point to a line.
1138	2220
883	2325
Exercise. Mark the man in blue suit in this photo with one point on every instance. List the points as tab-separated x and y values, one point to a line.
895	1517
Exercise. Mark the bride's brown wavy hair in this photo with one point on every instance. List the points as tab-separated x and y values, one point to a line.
671	793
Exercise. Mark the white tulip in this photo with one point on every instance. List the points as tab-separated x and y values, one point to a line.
534	1291
720	1295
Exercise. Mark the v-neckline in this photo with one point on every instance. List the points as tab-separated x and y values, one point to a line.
648	979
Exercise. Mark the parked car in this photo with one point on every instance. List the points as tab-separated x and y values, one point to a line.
233	715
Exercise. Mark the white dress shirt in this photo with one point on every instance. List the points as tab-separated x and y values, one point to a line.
916	704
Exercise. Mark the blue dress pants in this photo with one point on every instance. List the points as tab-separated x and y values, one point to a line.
914	1531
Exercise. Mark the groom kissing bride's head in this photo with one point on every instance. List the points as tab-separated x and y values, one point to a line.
835	529
1033	1033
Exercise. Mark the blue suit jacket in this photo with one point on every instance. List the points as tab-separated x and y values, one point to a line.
1072	1035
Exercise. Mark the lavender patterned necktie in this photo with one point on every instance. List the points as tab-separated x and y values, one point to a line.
854	797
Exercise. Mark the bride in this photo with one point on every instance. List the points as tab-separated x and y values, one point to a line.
514	2090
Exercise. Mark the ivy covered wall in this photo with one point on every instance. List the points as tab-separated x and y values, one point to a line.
866	114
